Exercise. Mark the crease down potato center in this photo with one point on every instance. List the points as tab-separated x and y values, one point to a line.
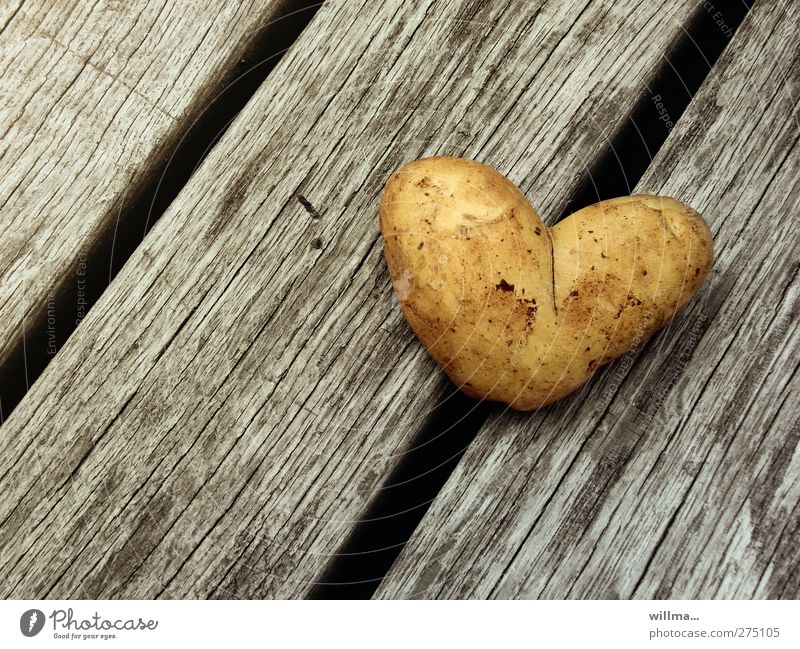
520	313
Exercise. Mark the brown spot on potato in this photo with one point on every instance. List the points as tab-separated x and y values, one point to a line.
578	305
530	316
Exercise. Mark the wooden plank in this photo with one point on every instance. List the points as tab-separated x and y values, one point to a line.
94	99
227	411
676	472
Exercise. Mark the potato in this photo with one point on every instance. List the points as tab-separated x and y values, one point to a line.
520	313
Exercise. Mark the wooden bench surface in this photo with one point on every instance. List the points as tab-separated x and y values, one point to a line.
675	473
231	408
96	98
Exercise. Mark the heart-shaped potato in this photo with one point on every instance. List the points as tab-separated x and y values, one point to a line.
520	313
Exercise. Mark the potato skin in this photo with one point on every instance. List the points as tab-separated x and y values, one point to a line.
519	313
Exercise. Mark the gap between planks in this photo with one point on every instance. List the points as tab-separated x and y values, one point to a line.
217	452
90	165
395	513
673	474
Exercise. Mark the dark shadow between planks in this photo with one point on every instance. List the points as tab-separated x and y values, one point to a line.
687	64
367	554
397	509
135	214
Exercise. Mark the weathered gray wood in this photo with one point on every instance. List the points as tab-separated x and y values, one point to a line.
229	408
676	472
94	97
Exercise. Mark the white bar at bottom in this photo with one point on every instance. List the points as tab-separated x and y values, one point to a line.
401	624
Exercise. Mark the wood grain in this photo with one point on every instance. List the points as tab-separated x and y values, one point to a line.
676	472
227	411
94	99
